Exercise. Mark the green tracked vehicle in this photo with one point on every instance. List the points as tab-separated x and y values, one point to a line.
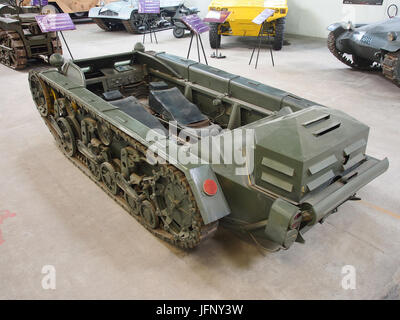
110	116
20	36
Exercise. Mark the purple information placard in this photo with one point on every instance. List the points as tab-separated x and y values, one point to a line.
149	6
263	16
195	24
39	2
55	22
214	16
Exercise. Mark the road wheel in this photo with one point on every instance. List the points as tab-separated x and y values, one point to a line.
178	32
215	37
148	212
67	139
107	172
50	9
279	34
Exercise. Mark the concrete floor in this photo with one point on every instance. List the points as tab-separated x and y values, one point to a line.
63	219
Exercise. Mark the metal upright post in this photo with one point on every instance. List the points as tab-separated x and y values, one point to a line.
155	36
144	33
254	49
190	45
198	47
202	47
66	44
272	55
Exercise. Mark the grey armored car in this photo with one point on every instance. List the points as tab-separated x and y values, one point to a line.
371	47
124	14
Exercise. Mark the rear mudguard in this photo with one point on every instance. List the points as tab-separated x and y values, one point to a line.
212	208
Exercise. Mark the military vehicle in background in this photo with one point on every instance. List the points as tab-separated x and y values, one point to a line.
20	36
110	114
76	8
239	22
124	14
370	47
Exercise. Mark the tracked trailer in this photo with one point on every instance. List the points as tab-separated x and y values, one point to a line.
135	123
21	38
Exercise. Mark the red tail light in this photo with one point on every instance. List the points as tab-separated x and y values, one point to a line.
210	187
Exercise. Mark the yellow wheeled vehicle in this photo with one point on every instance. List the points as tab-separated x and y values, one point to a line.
239	22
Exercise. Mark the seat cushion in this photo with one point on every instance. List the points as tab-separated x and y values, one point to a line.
112	95
174	106
134	109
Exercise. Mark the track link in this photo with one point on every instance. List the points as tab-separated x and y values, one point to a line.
15	58
129	27
200	232
391	67
101	24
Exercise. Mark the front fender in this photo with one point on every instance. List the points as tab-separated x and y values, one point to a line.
335	26
125	13
94	12
212	208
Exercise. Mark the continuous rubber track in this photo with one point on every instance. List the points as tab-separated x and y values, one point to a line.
17	58
101	24
391	67
199	232
129	27
361	65
107	27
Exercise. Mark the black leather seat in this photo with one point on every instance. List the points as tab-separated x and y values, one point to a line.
174	106
135	110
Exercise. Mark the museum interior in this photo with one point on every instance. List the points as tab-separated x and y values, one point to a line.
200	149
